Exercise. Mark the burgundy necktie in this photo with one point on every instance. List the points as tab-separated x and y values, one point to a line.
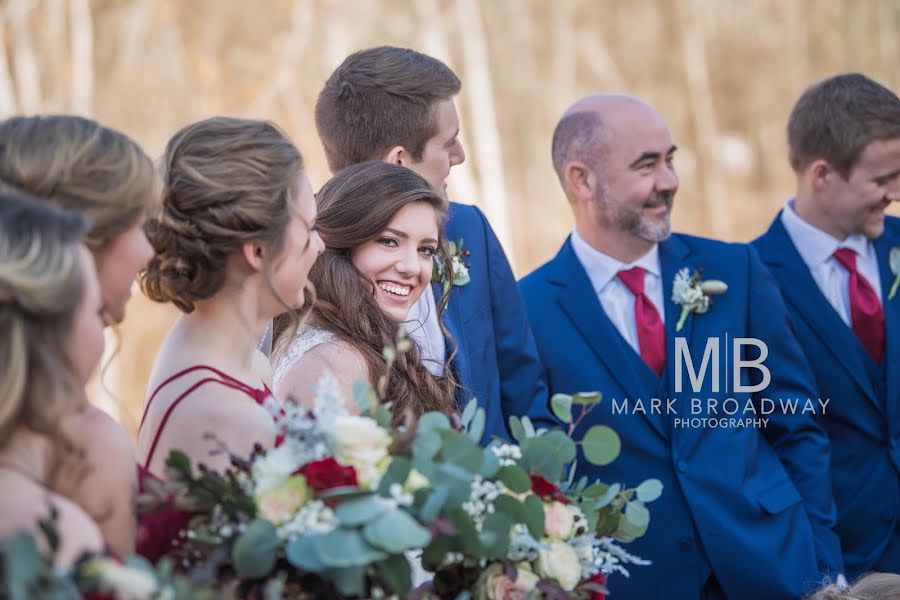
866	314
650	331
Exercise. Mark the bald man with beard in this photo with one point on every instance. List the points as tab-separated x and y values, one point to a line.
747	510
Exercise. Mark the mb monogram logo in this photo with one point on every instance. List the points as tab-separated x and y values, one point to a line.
709	364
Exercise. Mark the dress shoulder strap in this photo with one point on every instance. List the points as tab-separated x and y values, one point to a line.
219	377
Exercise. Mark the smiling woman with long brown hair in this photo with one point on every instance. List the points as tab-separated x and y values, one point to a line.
383	227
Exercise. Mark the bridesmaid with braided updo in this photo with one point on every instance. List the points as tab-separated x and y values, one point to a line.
233	246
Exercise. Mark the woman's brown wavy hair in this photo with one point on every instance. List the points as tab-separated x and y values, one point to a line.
355	207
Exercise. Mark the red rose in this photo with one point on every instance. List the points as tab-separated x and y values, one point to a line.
158	529
546	490
598	579
327	473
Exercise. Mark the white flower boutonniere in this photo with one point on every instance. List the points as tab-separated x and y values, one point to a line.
460	269
693	294
894	261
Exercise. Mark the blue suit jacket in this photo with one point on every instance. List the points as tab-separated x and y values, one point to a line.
752	505
863	420
497	360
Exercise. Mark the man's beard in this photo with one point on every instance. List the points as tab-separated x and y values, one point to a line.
631	219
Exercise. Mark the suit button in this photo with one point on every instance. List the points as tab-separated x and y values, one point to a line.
681	465
685	545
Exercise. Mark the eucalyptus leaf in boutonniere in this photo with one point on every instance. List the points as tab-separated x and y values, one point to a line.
693	294
460	269
894	261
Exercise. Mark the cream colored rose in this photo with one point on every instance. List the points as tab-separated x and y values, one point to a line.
127	583
279	504
362	444
559	561
495	585
558	521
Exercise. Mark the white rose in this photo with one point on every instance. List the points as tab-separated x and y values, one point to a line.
126	583
362	444
558	520
559	561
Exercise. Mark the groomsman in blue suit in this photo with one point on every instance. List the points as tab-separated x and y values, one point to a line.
830	250
397	105
747	511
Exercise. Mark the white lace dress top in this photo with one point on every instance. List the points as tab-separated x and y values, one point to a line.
287	353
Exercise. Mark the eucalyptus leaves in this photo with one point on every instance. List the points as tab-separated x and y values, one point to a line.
693	294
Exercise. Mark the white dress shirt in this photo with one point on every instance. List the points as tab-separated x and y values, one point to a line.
423	328
817	250
615	298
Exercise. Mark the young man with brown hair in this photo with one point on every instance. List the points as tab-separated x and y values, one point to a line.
397	105
830	249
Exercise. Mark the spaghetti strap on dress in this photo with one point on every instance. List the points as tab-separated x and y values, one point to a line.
259	395
159	530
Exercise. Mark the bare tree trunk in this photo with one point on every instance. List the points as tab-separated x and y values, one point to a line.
889	41
565	41
7	93
594	50
24	61
51	35
481	98
434	41
292	47
703	113
338	39
82	32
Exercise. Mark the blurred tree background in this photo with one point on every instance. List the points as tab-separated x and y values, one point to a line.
723	73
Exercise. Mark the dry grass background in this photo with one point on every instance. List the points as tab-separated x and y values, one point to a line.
724	73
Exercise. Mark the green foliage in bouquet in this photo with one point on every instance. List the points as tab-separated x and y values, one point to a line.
333	506
519	506
28	572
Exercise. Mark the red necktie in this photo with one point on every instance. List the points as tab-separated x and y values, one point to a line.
866	313
650	331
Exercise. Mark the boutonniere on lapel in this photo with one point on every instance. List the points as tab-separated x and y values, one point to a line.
693	294
894	261
460	269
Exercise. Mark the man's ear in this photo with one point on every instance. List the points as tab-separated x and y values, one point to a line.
254	255
580	180
397	156
819	174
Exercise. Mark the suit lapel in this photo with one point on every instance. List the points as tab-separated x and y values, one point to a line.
891	308
673	256
801	291
582	307
461	364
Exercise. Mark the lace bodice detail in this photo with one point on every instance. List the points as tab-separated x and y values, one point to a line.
286	355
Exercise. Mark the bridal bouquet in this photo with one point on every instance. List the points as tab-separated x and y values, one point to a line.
328	512
345	506
516	524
